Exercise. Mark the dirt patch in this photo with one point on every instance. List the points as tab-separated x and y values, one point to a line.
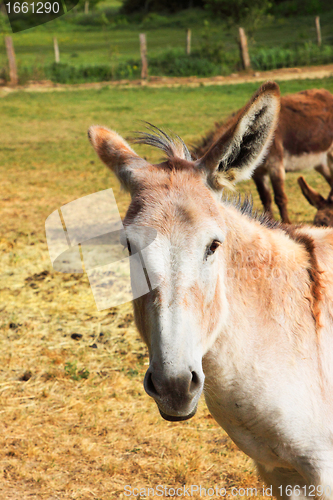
283	74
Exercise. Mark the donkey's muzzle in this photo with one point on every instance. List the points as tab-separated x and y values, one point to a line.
177	394
171	418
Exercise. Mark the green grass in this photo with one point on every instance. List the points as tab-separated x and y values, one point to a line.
76	48
45	120
44	135
111	39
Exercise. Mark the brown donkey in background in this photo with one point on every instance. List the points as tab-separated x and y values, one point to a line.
303	139
324	215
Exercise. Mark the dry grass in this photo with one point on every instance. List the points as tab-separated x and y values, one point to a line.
75	421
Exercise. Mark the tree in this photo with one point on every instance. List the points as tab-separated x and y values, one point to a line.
300	7
131	6
237	10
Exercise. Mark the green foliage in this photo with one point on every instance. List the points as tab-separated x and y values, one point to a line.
182	19
104	18
301	55
299	7
210	59
218	51
132	373
176	63
67	73
132	6
170	63
237	10
104	46
75	374
4	23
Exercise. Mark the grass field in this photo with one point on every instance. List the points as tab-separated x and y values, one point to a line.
104	42
75	421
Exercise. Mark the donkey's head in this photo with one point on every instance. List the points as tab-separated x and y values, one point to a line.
324	215
180	319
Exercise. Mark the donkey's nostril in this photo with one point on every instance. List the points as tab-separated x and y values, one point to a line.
178	388
149	385
195	382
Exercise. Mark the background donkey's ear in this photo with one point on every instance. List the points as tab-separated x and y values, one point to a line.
241	148
313	197
114	151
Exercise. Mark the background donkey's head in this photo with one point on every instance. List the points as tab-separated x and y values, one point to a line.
180	199
324	215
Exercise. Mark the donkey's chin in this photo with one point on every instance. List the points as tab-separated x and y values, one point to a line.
178	418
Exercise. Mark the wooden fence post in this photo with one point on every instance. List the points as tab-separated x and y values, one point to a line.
188	42
86	7
244	49
318	31
11	59
143	51
56	50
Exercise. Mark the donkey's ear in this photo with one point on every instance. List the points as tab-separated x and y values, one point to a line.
241	148
314	198
114	151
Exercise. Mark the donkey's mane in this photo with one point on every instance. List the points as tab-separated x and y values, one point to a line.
245	207
172	144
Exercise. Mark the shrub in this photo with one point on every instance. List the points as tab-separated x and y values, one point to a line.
237	10
177	63
66	73
285	8
288	57
210	59
131	6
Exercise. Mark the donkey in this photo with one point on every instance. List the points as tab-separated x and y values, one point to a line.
303	139
243	309
324	215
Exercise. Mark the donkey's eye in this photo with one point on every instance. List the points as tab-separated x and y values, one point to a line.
212	248
132	249
128	246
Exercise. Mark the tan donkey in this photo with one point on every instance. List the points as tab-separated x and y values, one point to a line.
243	310
302	141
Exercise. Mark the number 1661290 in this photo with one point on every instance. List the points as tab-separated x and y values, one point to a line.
33	8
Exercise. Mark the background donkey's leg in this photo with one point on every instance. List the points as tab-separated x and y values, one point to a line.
276	168
325	171
277	175
262	182
329	159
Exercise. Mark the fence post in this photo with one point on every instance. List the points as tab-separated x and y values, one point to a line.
11	59
318	31
244	49
188	42
86	7
143	51
56	50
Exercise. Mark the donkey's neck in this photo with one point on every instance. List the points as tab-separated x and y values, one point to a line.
268	276
252	244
